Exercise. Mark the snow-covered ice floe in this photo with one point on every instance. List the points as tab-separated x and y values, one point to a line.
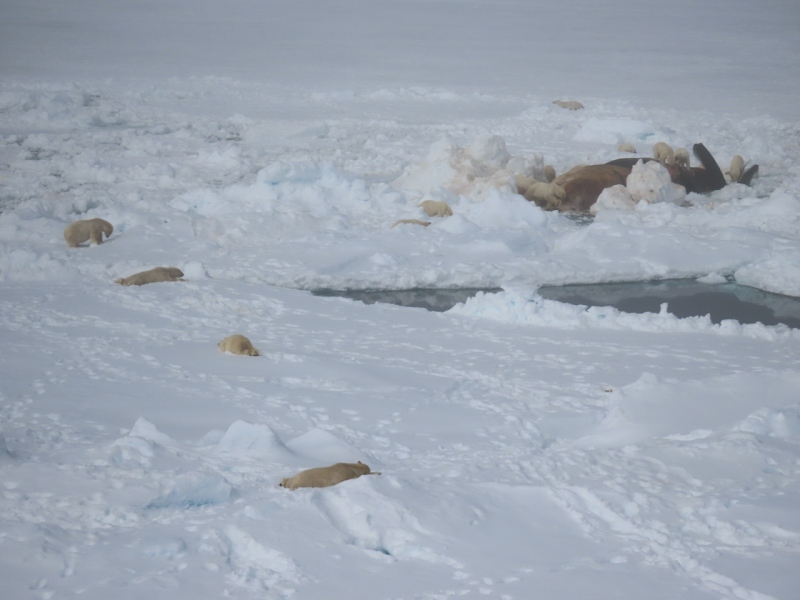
526	308
527	448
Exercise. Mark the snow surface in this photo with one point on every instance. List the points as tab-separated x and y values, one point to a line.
528	448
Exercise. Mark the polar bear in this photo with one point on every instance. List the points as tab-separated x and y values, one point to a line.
436	208
327	476
625	147
90	230
152	276
410	222
682	157
664	153
238	344
523	182
546	195
549	173
568	104
736	168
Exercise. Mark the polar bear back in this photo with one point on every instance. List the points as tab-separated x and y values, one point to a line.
736	168
682	157
569	104
155	275
664	153
327	476
88	230
547	195
238	344
436	208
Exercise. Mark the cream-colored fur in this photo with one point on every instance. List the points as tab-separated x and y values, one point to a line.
736	169
547	195
238	344
664	153
436	208
410	222
568	104
153	276
327	476
523	183
682	157
90	230
627	148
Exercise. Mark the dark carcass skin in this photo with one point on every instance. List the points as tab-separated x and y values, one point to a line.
584	184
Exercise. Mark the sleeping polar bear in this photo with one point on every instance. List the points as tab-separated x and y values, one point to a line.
410	222
238	344
90	230
327	476
152	276
568	104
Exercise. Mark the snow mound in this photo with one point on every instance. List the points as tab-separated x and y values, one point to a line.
323	446
250	440
377	524
616	197
648	181
193	490
257	567
283	190
651	182
140	445
472	171
502	210
781	424
146	430
778	272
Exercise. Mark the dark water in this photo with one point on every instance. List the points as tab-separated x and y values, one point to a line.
431	299
685	298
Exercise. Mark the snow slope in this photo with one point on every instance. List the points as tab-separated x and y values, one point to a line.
528	448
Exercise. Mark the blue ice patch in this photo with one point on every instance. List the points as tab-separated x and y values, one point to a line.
193	490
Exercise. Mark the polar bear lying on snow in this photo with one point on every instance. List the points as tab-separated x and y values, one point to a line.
568	104
90	230
238	344
327	476
152	276
410	222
